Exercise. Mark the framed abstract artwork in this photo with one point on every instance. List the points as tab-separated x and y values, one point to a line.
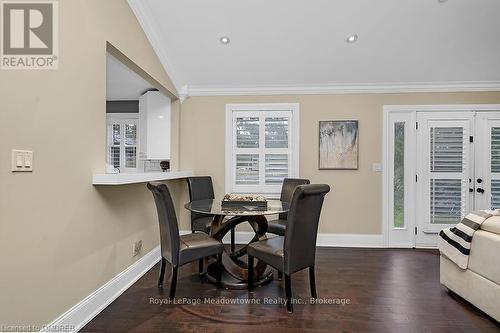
338	144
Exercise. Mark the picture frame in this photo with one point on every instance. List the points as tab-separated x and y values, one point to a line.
338	145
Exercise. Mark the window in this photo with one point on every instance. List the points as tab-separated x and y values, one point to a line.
122	139
399	174
261	147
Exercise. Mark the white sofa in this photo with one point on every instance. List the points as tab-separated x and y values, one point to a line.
480	283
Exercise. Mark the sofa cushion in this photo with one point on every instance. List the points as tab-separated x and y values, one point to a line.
492	225
484	259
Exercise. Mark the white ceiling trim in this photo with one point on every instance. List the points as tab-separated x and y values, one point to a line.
371	88
145	20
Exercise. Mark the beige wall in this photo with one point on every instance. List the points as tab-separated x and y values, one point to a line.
60	237
354	204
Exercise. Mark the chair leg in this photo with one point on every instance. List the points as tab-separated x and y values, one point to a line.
162	272
288	293
250	273
200	267
219	270
280	275
233	236
312	282
173	283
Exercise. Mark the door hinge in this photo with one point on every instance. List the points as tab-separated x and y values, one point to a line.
471	139
416	125
416	230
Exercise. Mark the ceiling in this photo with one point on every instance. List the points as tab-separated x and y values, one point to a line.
292	43
122	83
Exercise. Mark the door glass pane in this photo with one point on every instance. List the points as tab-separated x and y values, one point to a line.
116	134
276	168
399	174
130	134
447	146
247	132
247	169
446	201
495	149
130	157
495	194
277	132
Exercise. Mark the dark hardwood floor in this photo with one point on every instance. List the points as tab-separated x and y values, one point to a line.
389	290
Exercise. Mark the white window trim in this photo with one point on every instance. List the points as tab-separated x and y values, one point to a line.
229	140
121	118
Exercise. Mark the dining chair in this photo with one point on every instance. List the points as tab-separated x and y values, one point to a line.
295	250
278	226
180	250
201	188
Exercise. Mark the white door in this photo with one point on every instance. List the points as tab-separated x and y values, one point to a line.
487	161
445	169
400	184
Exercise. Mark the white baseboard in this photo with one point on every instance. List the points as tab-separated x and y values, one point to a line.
350	240
323	240
83	312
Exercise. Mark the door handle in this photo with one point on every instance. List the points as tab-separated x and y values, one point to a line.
480	190
471	190
479	180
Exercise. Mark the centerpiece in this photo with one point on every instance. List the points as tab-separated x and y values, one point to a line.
244	202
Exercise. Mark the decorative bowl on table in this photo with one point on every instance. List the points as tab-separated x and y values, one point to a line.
244	202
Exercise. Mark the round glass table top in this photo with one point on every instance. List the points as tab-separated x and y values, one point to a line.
214	207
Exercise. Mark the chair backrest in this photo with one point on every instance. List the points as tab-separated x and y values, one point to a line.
200	188
302	226
169	230
287	189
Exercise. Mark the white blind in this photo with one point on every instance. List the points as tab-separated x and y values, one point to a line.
447	149
247	132
122	142
446	201
262	150
247	169
276	168
448	188
495	149
277	132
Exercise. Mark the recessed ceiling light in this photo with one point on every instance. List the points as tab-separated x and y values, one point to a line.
352	38
225	40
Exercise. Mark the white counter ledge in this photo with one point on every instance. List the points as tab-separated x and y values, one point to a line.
133	178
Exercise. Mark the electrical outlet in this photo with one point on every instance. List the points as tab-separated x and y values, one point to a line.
137	248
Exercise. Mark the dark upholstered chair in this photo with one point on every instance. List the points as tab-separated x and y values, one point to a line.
201	188
297	249
289	184
180	250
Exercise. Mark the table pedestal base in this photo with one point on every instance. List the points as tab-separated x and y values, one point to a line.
235	270
231	282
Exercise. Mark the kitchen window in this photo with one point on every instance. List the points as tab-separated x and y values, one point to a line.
122	142
262	147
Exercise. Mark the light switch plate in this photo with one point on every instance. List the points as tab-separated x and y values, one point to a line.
377	167
22	160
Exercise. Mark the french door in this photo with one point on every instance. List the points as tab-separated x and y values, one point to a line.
487	146
440	165
458	169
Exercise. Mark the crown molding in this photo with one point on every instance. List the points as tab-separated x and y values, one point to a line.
146	22
363	88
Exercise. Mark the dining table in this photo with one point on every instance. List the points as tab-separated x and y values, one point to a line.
235	270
